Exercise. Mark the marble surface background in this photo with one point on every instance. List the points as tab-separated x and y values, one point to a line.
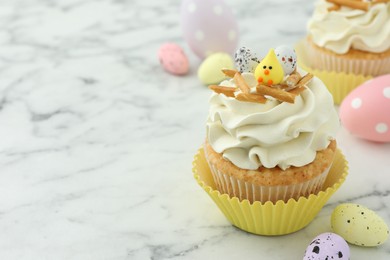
96	140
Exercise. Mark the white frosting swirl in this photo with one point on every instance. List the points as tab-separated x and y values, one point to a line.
251	135
347	28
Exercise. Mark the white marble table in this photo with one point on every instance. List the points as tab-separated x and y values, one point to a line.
97	140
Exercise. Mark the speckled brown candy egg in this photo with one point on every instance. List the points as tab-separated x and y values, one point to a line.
245	60
287	58
359	225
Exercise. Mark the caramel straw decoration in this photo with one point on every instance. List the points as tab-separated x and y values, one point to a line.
351	3
240	82
380	1
334	8
304	80
280	95
227	91
281	86
281	92
229	73
293	79
248	97
297	91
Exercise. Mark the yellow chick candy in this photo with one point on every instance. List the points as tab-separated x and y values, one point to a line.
269	71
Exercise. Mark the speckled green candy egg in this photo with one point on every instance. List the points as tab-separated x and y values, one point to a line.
359	225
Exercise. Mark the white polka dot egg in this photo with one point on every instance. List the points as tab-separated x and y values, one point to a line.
359	225
365	111
327	246
209	26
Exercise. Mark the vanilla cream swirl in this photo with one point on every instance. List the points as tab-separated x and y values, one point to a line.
251	135
347	28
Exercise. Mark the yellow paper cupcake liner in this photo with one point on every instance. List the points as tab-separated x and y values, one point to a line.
339	84
268	218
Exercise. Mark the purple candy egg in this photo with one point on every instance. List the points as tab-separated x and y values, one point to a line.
209	26
327	246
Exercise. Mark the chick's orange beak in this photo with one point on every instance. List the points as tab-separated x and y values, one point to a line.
266	72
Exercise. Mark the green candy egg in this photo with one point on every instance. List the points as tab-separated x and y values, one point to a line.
359	225
210	71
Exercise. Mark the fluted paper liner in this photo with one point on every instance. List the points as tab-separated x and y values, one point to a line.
244	190
339	83
269	218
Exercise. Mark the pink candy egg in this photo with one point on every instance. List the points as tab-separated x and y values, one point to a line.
209	26
173	59
365	112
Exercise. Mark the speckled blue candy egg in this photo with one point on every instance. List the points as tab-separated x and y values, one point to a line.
327	246
245	60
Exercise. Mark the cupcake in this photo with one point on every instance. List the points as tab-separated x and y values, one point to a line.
272	149
348	38
270	142
351	39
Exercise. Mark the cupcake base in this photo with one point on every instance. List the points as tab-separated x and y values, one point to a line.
339	83
244	190
269	218
354	61
270	184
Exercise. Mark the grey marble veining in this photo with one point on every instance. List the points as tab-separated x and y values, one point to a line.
96	140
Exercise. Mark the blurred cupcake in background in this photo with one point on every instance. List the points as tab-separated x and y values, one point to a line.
348	43
351	40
